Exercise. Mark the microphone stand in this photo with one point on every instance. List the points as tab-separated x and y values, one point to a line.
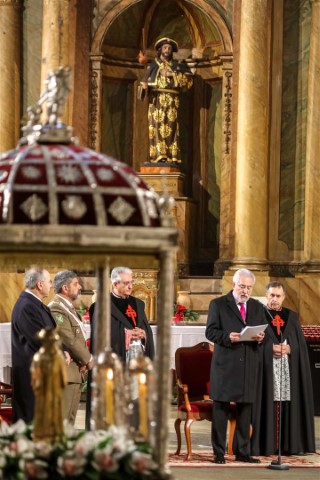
277	464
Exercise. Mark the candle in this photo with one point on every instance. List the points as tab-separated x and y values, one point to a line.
143	413
109	396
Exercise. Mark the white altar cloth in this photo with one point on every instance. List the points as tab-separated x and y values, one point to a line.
5	352
181	336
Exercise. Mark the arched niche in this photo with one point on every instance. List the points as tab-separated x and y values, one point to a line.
119	125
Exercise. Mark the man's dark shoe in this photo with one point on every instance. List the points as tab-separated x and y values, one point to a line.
219	458
247	459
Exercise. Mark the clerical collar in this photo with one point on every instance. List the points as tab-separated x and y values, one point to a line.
118	296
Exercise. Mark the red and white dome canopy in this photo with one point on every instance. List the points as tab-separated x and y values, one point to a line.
65	184
49	180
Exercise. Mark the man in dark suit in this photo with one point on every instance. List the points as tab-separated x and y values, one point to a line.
67	289
29	316
234	367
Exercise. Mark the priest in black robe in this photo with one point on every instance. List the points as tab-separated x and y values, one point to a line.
284	348
128	323
128	319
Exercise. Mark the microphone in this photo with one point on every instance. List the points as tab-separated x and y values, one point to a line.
277	464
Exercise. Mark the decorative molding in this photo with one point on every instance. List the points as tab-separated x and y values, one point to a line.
94	95
227	111
285	269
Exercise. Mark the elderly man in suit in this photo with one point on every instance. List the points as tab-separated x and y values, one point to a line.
234	367
29	316
67	290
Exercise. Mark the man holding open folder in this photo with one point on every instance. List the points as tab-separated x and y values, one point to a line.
235	362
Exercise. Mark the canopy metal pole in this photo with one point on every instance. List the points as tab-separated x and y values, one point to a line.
162	365
102	341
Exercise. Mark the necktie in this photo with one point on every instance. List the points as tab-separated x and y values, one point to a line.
243	312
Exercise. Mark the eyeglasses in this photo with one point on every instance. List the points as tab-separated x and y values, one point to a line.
245	287
127	283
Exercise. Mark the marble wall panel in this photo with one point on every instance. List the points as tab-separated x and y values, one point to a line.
297	15
11	285
303	297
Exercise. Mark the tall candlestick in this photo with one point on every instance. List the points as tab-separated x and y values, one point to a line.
109	396
143	413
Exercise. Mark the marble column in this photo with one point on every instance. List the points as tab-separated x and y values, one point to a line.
10	65
252	137
55	40
162	363
312	183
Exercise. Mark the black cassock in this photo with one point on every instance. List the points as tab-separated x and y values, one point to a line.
297	414
119	323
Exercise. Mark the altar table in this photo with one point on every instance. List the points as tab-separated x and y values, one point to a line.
181	336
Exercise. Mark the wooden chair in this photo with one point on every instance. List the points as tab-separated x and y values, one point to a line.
5	410
193	381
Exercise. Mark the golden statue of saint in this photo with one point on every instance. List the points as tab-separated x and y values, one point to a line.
49	378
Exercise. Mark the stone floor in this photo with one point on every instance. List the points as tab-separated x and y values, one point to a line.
201	441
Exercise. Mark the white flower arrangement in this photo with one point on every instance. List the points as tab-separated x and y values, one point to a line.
81	455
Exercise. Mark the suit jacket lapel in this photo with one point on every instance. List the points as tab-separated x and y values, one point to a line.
48	311
39	304
232	304
250	308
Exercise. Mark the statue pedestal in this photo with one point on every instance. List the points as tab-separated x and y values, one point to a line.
162	181
184	211
168	182
156	168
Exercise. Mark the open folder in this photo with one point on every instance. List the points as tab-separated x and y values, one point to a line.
248	333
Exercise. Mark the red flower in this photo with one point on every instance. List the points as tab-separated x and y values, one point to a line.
179	311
